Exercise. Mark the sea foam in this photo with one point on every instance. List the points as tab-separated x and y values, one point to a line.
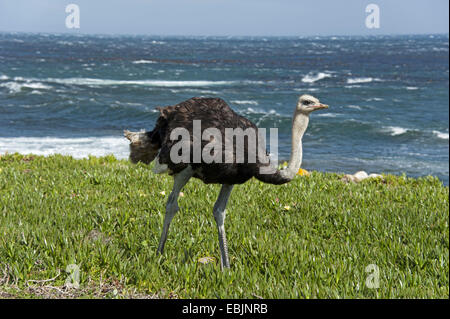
144	62
245	102
154	83
311	78
362	80
328	114
77	147
355	107
395	130
441	135
16	87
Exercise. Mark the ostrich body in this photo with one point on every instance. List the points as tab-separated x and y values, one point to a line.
214	113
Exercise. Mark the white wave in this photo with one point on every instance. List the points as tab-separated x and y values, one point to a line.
251	110
76	147
395	130
16	87
144	61
154	83
311	78
412	88
194	90
13	87
356	107
440	49
352	86
306	89
374	99
328	114
441	135
65	42
3	77
362	80
244	102
21	82
37	85
208	92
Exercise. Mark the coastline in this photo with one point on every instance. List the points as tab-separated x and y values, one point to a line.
115	142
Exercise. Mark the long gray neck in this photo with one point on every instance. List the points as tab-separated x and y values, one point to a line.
299	125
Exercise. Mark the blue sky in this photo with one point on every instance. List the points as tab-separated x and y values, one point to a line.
226	17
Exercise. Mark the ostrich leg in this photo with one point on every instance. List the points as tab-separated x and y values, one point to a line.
219	215
172	206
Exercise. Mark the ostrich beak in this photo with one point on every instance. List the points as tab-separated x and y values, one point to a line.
320	106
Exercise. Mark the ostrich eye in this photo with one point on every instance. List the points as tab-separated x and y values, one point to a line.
307	102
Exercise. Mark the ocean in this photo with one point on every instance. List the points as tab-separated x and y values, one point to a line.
388	95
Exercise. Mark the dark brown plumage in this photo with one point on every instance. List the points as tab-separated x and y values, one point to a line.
213	112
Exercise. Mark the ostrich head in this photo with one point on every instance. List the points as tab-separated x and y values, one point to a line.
307	104
141	147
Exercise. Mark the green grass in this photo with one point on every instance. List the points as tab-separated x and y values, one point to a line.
105	216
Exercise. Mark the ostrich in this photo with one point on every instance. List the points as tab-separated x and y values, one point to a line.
214	113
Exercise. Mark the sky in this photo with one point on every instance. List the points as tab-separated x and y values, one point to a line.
226	17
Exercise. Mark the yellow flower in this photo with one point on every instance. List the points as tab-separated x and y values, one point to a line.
302	172
287	207
163	193
181	194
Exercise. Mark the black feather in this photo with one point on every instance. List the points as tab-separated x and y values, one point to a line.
213	112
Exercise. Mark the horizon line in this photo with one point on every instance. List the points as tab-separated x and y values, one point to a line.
76	33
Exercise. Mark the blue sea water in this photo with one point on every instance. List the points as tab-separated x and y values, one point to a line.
388	95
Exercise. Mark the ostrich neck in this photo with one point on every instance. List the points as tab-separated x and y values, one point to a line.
299	125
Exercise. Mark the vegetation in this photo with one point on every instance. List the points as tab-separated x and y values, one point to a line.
311	238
